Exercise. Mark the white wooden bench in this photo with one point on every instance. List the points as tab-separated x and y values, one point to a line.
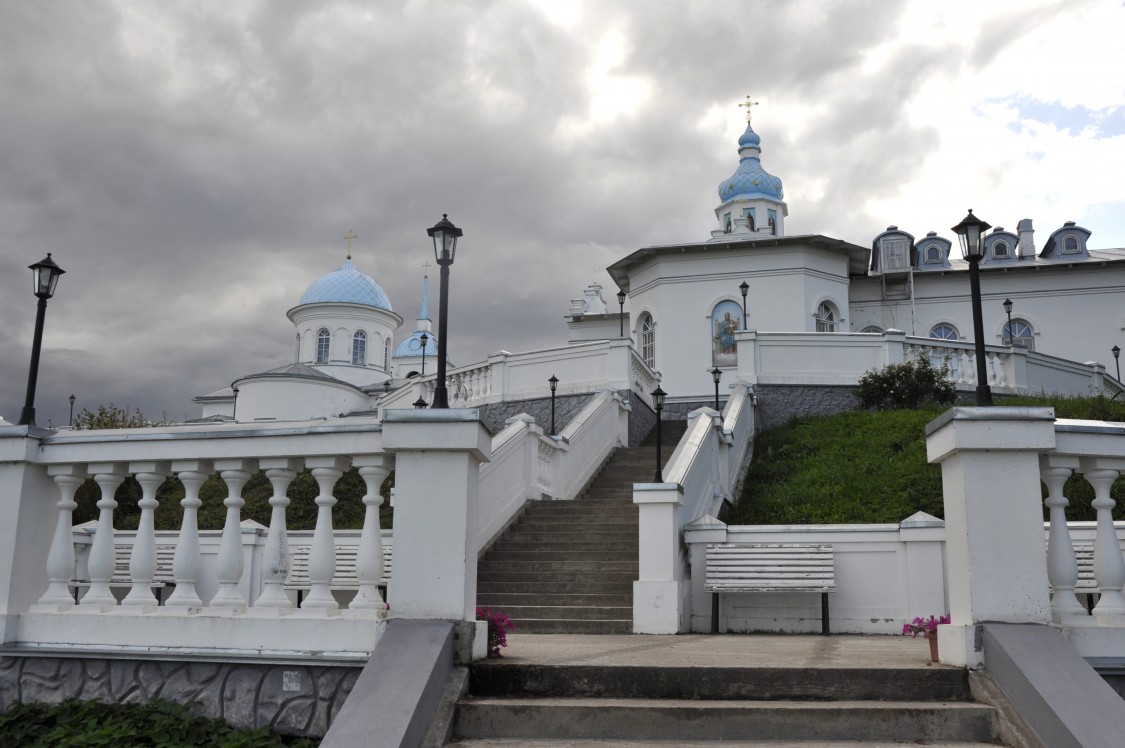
344	579
165	554
769	567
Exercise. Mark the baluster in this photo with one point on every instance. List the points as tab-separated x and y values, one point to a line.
1109	565
971	367
369	559
186	562
103	559
992	377
1062	568
322	556
60	559
1001	369
234	473
142	561
963	366
275	556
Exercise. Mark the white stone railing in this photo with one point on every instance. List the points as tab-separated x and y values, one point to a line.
39	593
810	358
504	377
702	473
994	461
529	465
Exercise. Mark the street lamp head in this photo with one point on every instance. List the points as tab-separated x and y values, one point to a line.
744	287
387	386
445	236
420	403
1116	351
1008	306
716	374
423	339
970	232
620	298
554	382
46	277
72	398
658	396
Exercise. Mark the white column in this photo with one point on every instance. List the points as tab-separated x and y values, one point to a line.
1109	565
275	556
186	563
437	483
658	594
322	555
229	597
102	561
1062	567
142	561
997	570
60	559
369	560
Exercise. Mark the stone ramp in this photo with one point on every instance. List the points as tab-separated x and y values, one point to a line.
558	690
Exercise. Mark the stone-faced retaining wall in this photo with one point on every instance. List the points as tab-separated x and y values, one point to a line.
566	407
295	699
778	403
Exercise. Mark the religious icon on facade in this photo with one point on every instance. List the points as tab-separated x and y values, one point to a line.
726	320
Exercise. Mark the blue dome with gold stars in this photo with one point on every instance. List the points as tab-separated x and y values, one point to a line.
750	180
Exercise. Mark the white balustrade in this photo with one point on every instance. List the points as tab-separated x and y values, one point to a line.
1109	565
369	559
102	561
322	556
1062	567
186	563
235	473
60	560
142	561
275	556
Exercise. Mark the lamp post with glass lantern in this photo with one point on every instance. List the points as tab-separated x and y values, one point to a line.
970	232
423	339
72	398
445	236
658	396
716	374
1116	350
554	382
744	287
1008	310
621	314
45	274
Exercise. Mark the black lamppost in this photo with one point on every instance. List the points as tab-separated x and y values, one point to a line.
969	232
554	382
46	276
716	374
424	339
1117	360
658	396
1008	310
445	236
71	399
744	287
621	314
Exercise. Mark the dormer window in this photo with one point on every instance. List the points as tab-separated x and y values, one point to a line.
1070	245
933	253
894	254
1001	250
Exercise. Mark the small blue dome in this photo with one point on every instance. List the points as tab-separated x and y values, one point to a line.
749	138
412	346
348	285
750	180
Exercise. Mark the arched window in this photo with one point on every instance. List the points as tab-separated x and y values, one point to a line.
1019	334
387	355
933	253
323	339
1070	244
825	318
726	223
648	341
873	328
942	357
1001	250
359	348
297	352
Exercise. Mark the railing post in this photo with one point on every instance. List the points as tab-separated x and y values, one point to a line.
993	520
60	559
142	561
1109	565
186	563
103	557
374	469
322	555
658	593
1062	567
275	556
229	597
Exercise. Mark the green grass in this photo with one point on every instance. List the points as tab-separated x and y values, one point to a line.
870	467
161	724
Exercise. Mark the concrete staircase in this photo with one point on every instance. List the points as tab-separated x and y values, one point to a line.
569	566
532	704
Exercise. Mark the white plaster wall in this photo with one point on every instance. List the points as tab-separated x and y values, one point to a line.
291	399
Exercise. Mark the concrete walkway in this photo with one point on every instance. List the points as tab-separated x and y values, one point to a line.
720	650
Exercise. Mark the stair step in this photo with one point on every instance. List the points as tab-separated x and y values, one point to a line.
559	566
548	586
578	577
683	719
562	554
569	613
518	534
566	626
576	548
598	743
503	600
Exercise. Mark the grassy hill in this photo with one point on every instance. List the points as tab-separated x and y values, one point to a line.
870	466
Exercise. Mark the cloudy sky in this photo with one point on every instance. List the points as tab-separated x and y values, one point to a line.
194	166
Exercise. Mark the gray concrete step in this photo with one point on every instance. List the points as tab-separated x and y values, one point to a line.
502	600
559	565
676	719
574	577
569	612
572	626
546	585
597	743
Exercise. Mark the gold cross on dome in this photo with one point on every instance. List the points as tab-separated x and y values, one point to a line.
748	103
426	268
348	237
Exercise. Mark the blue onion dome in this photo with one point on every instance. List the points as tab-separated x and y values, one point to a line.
348	285
412	346
750	180
749	138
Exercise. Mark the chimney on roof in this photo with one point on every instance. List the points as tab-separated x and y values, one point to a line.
1027	239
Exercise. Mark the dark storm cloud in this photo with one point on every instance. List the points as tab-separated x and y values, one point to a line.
194	167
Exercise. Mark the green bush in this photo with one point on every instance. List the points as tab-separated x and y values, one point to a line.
160	724
906	385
